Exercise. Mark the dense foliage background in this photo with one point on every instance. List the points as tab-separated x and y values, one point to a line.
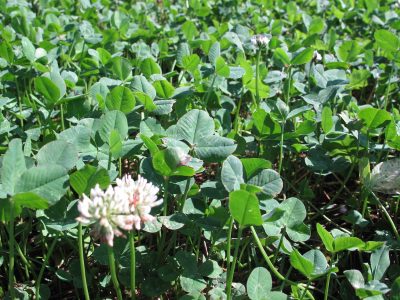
262	152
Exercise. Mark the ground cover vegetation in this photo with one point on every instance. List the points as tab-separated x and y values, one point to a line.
199	149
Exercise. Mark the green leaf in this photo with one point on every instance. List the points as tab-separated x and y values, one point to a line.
152	146
359	79
120	98
13	165
115	144
253	165
326	237
168	163
380	261
348	51
194	125
281	55
326	119
47	89
244	208
47	181
28	49
232	173
345	243
210	269
214	53
141	84
374	117
301	263
113	120
302	57
214	148
387	40
396	289
259	284
269	180
163	89
149	67
221	68
30	200
85	179
121	68
355	278
58	152
191	62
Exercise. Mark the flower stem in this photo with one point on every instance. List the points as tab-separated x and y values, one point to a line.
387	215
228	245
45	262
272	267
328	278
133	264
111	262
11	254
232	267
258	77
281	148
62	117
165	199
82	263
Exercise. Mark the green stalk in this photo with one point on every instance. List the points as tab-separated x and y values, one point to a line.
328	279
228	245
237	116
281	148
258	77
133	265
387	215
165	199
45	262
62	117
114	279
11	254
82	263
289	83
272	267
232	268
278	248
207	95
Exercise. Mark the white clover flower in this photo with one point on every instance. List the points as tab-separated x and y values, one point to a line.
317	56
260	40
109	211
141	195
385	177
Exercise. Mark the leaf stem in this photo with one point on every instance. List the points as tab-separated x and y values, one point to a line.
228	245
82	262
114	279
328	278
258	77
11	254
232	267
272	267
44	265
133	265
281	148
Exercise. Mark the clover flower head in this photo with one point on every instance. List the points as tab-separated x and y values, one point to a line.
109	211
141	195
317	56
385	177
260	40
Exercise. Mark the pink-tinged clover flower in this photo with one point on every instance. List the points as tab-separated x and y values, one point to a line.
109	211
141	195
